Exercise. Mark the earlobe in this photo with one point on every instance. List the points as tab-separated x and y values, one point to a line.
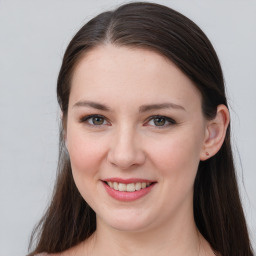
215	133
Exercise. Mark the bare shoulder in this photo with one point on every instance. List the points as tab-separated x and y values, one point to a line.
81	249
46	254
49	254
65	253
43	254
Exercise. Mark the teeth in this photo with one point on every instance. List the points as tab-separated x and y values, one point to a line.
138	186
110	183
115	185
131	187
122	187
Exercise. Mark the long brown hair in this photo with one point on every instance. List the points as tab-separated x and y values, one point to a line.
217	208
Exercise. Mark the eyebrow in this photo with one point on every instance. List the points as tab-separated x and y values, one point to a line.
167	105
91	104
143	108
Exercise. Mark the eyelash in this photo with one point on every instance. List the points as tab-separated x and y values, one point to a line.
166	119
87	118
169	120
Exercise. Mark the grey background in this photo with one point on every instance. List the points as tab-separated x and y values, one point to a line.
33	37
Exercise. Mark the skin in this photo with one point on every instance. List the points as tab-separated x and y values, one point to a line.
128	143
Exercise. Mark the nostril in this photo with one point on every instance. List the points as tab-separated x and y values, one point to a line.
125	159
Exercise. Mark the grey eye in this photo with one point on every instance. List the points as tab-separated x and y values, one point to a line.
96	120
159	121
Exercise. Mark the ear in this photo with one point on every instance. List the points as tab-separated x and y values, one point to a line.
215	133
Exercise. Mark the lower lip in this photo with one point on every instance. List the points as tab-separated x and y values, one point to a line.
127	196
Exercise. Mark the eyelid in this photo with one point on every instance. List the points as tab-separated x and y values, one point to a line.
170	120
85	119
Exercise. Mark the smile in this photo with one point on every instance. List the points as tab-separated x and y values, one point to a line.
127	190
130	187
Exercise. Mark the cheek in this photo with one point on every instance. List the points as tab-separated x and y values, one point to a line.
86	159
178	155
176	160
85	154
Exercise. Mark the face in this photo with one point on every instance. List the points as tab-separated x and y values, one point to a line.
135	132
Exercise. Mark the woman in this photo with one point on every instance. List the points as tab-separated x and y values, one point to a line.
145	163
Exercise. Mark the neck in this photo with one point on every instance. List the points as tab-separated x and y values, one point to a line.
178	237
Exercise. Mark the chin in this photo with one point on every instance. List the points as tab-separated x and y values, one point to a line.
127	222
129	226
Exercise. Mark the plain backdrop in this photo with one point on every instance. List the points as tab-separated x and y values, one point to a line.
33	38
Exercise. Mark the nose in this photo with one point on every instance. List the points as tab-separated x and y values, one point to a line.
126	150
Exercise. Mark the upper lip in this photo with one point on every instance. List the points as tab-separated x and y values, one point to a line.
128	181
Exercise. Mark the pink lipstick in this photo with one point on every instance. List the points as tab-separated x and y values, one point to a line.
127	189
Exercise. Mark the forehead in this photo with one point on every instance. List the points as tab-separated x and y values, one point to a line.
110	72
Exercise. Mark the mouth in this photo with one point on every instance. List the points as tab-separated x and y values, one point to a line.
128	190
128	187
